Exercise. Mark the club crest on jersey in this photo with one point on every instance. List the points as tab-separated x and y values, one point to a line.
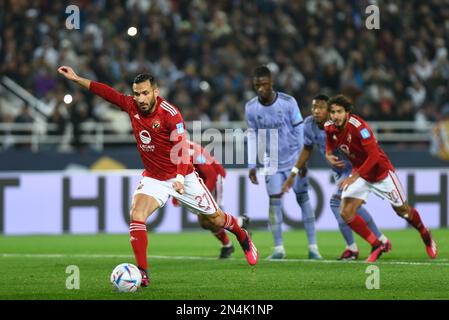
156	125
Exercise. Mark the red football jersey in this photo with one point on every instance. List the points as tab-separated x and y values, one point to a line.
207	166
357	141
159	135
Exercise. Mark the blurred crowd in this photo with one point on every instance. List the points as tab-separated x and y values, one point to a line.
203	52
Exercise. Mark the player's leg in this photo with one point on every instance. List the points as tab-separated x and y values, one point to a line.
142	207
230	223
273	184
349	209
353	197
339	177
198	199
391	188
351	251
145	202
220	233
227	248
301	189
412	216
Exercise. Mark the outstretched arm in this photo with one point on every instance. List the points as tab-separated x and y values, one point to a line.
100	89
71	75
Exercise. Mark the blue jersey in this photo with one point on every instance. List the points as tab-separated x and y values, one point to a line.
284	116
314	136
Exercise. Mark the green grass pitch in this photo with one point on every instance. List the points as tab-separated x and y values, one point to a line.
184	266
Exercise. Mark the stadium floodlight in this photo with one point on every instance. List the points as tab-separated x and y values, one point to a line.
68	98
132	31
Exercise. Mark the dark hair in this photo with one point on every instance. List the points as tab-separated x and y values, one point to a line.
144	77
321	97
341	100
262	71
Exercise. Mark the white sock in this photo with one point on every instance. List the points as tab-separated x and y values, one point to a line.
313	247
353	247
383	238
227	245
279	248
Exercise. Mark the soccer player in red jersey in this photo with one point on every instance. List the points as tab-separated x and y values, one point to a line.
372	172
159	130
213	173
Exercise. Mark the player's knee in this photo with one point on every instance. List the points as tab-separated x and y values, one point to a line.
204	222
302	197
402	211
138	215
347	213
217	219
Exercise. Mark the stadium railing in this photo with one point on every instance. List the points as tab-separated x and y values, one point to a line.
100	135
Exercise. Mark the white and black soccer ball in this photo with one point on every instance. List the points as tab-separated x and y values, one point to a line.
126	277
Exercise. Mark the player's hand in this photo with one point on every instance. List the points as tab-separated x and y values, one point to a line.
179	187
288	183
348	181
253	176
333	160
68	73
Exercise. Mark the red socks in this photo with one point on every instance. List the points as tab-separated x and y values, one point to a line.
139	242
222	236
231	224
361	228
415	220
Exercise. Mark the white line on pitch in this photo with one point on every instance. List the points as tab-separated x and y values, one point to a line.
438	262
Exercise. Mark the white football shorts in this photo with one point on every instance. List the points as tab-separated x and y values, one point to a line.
389	188
196	197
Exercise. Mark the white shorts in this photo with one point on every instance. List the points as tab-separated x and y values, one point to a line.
389	188
196	197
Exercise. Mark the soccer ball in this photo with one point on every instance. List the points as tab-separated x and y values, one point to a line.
126	277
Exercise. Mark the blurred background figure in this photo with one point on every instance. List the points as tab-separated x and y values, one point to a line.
439	146
25	119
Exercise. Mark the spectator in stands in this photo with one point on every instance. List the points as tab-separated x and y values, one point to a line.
219	42
25	119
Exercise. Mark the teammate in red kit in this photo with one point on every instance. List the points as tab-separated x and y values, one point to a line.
372	172
213	174
159	130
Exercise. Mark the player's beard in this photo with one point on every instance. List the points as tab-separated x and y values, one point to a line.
343	123
151	106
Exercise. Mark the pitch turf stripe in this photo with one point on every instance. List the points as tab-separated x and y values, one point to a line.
438	262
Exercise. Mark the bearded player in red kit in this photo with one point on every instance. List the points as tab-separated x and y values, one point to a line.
372	172
159	130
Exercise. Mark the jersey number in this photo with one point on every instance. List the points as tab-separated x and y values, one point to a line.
201	199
